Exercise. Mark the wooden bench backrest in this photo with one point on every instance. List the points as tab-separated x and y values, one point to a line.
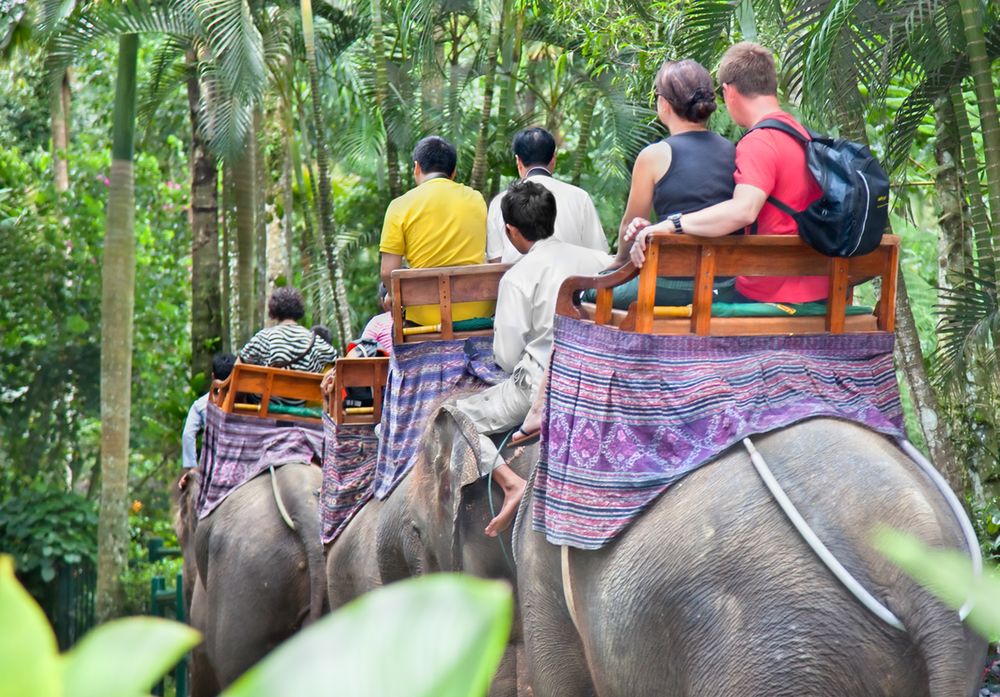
442	286
704	258
247	378
359	372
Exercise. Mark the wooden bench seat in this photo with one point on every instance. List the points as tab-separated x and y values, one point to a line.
703	259
371	373
264	383
443	286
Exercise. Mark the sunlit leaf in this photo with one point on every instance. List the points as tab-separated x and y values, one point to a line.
28	652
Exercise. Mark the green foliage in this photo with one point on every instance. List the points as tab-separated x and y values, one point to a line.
119	659
986	519
45	529
445	634
950	576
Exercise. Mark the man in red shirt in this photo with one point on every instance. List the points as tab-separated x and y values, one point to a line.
768	163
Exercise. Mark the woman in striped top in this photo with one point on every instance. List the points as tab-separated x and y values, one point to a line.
288	344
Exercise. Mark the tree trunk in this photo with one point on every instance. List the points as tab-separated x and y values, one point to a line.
979	64
583	147
480	161
981	229
59	105
244	186
261	171
953	249
117	301
910	360
341	309
206	309
382	98
228	216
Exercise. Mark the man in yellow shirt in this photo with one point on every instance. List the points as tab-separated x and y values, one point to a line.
439	222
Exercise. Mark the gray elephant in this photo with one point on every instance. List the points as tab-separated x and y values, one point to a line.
251	579
433	521
712	591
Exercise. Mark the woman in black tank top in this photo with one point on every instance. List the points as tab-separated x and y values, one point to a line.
690	170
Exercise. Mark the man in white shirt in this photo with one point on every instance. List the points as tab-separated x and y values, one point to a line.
577	221
522	328
222	366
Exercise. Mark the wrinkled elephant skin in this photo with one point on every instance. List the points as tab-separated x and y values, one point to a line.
257	581
712	591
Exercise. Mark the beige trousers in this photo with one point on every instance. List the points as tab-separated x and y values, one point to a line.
498	409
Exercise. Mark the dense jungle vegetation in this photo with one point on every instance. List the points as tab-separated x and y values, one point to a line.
164	164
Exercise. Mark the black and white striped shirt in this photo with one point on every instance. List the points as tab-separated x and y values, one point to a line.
285	346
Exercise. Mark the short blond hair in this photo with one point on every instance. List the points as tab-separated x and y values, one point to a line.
749	67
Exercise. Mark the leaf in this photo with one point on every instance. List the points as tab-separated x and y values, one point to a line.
28	651
442	635
948	574
125	658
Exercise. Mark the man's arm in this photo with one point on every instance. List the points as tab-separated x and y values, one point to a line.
193	425
390	262
715	221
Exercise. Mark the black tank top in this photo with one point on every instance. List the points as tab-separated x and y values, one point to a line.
700	174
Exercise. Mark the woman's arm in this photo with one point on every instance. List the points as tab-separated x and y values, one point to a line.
650	166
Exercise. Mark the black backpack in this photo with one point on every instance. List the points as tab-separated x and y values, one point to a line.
849	218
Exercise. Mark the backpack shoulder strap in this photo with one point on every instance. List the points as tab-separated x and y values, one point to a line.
779	126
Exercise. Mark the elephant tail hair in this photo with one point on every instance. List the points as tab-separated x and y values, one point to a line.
304	513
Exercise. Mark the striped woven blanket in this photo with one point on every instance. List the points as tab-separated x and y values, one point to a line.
420	377
630	414
237	448
349	454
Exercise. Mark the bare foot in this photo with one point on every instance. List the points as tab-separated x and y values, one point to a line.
513	489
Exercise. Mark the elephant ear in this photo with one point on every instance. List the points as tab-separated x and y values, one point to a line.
456	465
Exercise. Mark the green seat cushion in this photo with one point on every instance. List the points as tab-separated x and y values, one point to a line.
815	309
309	412
472	324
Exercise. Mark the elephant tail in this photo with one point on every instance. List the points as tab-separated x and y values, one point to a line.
298	500
953	654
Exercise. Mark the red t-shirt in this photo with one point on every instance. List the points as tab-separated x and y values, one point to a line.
775	163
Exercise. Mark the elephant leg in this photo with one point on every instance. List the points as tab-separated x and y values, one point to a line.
203	680
557	665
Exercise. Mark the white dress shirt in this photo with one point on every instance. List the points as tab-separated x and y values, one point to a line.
577	221
526	303
194	425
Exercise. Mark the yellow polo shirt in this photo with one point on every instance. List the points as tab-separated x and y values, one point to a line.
438	223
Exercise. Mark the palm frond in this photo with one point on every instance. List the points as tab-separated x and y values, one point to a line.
968	329
166	73
236	47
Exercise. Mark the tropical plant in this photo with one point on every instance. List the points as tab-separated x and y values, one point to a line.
446	634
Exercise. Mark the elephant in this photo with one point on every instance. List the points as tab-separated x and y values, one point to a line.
712	591
432	521
252	580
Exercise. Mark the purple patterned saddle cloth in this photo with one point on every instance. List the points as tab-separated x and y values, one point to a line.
421	376
349	454
237	448
630	414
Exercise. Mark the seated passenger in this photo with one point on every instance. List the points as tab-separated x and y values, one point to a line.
577	221
770	165
522	339
690	170
222	366
439	222
288	344
379	327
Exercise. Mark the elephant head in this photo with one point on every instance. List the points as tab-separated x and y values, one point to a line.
446	464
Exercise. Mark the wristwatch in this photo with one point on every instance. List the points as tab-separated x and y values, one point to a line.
675	218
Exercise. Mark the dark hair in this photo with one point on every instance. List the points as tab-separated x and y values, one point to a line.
222	365
382	291
435	154
324	333
285	303
749	67
535	146
531	208
688	88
